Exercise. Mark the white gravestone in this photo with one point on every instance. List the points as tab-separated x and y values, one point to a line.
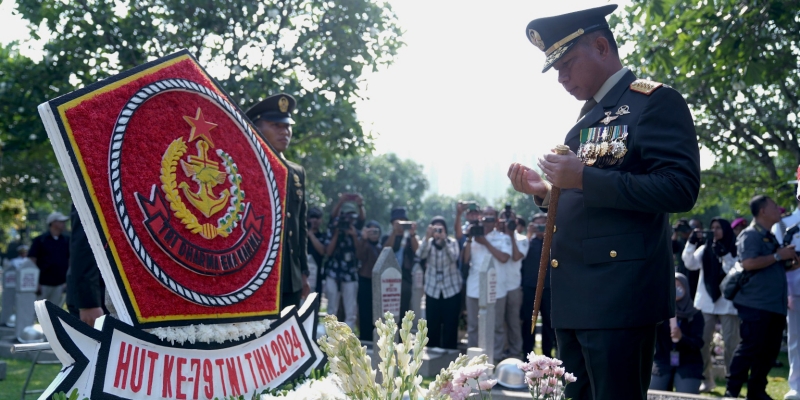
387	284
417	292
27	284
488	296
9	293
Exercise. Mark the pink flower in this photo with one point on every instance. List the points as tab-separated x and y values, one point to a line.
552	381
487	384
570	377
460	392
535	374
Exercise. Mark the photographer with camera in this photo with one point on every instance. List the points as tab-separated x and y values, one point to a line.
404	243
368	248
761	300
483	240
341	268
442	284
713	258
530	276
509	292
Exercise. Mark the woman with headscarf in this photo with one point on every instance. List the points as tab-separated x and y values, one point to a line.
368	248
442	283
715	258
677	362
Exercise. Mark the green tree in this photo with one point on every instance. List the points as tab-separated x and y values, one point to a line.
315	50
736	62
385	182
438	205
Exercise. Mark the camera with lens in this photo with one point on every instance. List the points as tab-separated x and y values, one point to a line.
344	221
438	230
511	221
787	240
708	236
475	229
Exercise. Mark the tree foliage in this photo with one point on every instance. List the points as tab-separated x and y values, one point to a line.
312	49
736	62
385	182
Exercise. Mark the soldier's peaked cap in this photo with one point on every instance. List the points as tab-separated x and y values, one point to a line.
556	35
276	108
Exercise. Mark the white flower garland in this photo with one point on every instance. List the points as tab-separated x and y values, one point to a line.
327	388
211	333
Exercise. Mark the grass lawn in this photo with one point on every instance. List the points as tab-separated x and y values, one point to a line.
777	385
17	371
11	387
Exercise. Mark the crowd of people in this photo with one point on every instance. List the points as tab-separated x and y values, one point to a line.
342	256
740	278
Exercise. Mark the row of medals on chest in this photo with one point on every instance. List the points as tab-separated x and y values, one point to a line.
605	145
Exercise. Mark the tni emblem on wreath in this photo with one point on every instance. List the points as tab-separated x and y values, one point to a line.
208	174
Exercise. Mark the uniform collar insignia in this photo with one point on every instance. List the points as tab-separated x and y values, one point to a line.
608	118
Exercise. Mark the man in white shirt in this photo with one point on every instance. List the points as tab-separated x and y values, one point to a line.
477	247
793	316
508	325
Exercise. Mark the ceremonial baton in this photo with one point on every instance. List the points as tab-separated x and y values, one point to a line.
548	238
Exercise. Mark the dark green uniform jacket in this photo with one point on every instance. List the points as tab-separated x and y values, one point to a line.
295	241
612	251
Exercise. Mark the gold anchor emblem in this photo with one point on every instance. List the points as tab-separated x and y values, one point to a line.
208	175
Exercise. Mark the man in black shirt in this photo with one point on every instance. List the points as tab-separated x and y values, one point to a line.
50	252
761	301
316	248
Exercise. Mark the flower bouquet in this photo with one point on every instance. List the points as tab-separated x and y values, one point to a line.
546	378
400	364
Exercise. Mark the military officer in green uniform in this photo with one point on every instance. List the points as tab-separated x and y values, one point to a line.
273	118
634	158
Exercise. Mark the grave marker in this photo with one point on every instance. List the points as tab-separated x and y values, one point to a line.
27	284
9	292
488	296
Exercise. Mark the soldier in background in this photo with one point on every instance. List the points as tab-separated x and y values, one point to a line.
273	118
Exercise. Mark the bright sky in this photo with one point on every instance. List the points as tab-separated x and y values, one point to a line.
465	97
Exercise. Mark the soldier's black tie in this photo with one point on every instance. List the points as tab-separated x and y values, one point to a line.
586	107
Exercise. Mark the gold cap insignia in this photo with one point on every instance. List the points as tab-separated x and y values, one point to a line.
283	104
536	39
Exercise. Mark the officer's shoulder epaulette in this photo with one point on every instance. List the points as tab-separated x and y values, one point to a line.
645	86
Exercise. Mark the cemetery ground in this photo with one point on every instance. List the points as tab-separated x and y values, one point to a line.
17	371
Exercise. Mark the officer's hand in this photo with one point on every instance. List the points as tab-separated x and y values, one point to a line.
413	230
306	288
460	206
429	232
526	180
564	171
89	315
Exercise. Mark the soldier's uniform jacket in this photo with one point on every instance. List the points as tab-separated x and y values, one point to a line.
295	239
611	252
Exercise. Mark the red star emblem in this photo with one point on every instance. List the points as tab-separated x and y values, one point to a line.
200	127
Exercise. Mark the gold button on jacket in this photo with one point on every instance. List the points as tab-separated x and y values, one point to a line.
554	263
613	253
